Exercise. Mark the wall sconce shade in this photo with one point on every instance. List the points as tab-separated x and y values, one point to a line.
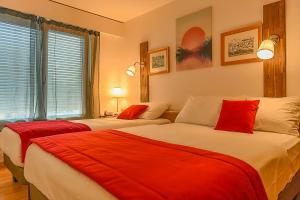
266	49
132	69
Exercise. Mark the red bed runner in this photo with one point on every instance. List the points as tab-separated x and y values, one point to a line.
134	168
29	130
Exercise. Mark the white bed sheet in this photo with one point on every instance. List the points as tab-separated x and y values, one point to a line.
274	156
10	141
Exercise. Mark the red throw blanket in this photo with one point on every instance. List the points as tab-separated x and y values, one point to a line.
134	168
29	130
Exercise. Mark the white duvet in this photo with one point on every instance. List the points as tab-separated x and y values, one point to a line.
10	141
276	157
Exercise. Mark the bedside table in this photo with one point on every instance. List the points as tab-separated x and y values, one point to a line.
109	116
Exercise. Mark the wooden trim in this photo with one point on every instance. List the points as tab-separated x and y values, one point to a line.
240	30
275	68
144	72
85	11
168	60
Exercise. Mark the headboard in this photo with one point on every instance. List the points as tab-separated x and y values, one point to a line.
144	72
275	68
170	115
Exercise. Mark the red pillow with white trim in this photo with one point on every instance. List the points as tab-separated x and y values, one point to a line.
237	116
132	112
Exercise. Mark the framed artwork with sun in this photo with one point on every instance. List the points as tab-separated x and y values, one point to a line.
194	40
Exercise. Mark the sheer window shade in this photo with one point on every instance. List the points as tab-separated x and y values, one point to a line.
66	58
17	71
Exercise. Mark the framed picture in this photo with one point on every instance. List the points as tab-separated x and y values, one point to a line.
240	45
159	61
194	40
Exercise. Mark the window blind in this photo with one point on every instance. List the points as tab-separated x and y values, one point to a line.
65	80
17	71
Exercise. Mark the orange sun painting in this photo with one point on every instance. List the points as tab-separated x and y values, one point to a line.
194	40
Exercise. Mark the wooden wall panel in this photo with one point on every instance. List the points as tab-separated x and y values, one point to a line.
144	72
275	69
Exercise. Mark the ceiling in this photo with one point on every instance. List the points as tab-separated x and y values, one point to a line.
120	10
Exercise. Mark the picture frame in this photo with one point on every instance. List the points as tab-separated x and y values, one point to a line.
159	61
240	45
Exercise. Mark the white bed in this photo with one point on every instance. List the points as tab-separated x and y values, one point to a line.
275	156
10	141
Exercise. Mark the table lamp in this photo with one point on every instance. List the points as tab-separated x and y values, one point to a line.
117	93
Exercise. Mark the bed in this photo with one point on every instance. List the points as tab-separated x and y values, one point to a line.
10	142
51	178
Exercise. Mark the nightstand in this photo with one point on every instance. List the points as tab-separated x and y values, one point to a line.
108	116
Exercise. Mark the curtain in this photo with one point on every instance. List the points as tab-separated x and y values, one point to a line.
93	98
48	69
41	76
19	61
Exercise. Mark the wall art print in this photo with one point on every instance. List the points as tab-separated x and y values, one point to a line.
194	40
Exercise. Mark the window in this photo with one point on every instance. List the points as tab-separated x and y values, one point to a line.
46	68
17	71
65	73
65	96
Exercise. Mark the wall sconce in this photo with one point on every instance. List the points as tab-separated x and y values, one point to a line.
266	48
131	69
117	93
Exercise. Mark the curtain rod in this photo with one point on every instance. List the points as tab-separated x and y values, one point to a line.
53	1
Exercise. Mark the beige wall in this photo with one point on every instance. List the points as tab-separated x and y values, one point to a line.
111	71
64	14
1	156
293	47
158	27
111	41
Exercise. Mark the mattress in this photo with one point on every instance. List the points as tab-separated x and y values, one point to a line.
275	157
10	142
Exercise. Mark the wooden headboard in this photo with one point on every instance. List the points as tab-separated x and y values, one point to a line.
144	72
275	68
170	115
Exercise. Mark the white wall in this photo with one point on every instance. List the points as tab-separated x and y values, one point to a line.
159	28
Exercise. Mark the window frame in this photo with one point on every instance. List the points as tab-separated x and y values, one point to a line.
48	26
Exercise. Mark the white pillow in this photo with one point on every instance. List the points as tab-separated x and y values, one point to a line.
154	110
203	110
280	115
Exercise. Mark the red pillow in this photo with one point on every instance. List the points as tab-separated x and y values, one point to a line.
132	112
238	116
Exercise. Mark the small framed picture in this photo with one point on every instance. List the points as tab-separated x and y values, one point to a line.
240	45
159	61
